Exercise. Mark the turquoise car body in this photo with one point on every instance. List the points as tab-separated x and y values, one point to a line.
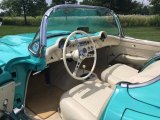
128	102
15	58
141	100
140	103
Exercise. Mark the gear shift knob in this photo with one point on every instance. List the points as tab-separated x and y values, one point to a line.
84	66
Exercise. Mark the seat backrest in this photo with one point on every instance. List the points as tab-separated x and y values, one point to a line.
149	73
150	61
153	65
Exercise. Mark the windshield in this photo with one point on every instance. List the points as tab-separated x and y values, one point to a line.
63	19
91	20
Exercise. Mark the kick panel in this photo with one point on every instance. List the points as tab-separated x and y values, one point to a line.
7	97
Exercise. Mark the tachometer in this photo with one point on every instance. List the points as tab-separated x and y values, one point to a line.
61	43
103	36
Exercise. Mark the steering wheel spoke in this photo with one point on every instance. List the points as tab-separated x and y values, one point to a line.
89	55
76	41
90	48
77	67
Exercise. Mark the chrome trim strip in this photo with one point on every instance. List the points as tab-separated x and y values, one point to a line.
145	83
24	102
138	85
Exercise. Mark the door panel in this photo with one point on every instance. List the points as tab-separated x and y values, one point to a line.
134	51
7	96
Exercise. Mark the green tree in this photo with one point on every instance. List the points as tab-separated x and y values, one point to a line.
146	10
41	7
116	5
15	7
104	3
24	7
155	6
120	6
57	2
136	7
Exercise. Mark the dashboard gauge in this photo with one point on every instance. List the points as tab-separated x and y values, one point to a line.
103	36
62	42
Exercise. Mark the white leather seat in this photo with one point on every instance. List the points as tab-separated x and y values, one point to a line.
85	101
88	100
118	73
121	72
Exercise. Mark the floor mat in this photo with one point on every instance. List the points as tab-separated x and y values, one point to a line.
41	99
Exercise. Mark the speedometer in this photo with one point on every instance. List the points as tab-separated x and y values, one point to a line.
62	42
103	36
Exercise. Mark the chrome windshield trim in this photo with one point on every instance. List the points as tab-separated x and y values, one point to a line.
43	31
121	34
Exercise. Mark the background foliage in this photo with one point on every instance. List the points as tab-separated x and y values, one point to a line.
155	6
126	20
15	9
137	19
127	6
24	8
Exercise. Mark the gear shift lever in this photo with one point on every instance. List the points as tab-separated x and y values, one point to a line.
84	67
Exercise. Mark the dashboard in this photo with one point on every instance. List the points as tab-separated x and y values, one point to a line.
55	52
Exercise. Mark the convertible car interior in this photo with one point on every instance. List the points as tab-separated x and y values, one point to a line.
85	100
61	95
87	56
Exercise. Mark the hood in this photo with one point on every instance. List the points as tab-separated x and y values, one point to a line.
14	46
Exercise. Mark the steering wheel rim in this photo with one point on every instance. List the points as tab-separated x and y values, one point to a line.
88	56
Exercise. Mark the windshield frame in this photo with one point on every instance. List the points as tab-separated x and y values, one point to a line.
44	23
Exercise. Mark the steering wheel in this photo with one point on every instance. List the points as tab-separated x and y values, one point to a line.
82	52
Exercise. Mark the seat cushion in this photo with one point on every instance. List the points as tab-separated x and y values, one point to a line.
85	101
149	73
118	73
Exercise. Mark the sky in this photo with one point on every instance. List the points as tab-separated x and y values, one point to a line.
49	2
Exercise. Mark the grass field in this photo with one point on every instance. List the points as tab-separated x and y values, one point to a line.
149	33
12	30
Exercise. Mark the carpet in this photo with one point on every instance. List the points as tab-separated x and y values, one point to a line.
41	99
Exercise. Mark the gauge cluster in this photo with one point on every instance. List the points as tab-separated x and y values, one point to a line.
84	43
